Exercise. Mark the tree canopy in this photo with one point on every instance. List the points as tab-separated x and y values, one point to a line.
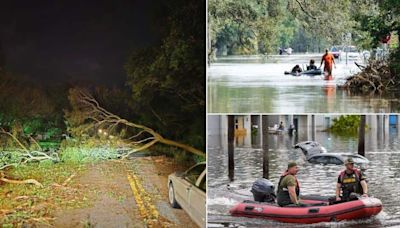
167	81
262	26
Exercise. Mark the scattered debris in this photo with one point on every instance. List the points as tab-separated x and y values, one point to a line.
375	77
28	181
88	117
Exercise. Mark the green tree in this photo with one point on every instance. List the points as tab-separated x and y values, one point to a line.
245	27
30	108
382	20
167	81
261	26
346	125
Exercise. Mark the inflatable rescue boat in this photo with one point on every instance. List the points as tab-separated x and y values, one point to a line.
316	210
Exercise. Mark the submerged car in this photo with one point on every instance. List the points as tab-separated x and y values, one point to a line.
338	159
187	190
351	51
335	52
310	148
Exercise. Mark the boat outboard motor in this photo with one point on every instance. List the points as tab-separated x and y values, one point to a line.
263	191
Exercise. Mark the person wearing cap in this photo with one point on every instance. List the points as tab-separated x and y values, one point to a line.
288	187
350	180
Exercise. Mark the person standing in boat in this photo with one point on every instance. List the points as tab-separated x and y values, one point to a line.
350	180
289	187
312	65
329	60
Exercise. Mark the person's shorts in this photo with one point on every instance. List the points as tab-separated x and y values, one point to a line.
328	70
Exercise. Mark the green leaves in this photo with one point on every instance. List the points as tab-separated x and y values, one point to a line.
346	125
245	27
254	27
167	80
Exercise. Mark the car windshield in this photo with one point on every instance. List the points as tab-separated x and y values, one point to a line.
192	174
334	49
319	159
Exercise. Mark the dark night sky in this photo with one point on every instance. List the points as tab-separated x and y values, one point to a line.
67	41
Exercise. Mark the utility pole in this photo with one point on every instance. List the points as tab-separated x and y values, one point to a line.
361	136
313	127
265	147
231	147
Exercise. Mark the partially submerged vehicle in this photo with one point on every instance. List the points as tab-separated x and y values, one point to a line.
338	159
310	148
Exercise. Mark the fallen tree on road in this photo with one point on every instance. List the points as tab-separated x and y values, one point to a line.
88	117
22	155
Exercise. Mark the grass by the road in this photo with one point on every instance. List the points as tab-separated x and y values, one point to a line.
79	194
24	204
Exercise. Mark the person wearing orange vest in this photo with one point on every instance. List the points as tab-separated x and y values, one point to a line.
329	60
289	187
350	181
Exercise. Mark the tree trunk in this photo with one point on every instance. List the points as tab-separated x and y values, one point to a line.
231	141
361	136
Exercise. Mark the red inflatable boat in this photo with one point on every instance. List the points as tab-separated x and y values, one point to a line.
357	209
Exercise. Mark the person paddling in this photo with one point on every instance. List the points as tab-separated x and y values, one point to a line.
329	60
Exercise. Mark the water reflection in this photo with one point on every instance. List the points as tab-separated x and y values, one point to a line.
382	149
253	85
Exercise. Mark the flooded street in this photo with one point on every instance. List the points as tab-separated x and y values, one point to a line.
256	85
383	174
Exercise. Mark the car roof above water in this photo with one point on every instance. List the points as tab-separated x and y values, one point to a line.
356	157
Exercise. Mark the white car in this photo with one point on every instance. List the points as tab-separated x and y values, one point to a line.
351	52
188	191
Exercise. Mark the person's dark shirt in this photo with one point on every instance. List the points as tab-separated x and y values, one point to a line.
296	69
311	67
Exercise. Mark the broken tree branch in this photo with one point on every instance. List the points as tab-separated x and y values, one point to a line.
24	156
375	77
84	103
28	181
305	11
